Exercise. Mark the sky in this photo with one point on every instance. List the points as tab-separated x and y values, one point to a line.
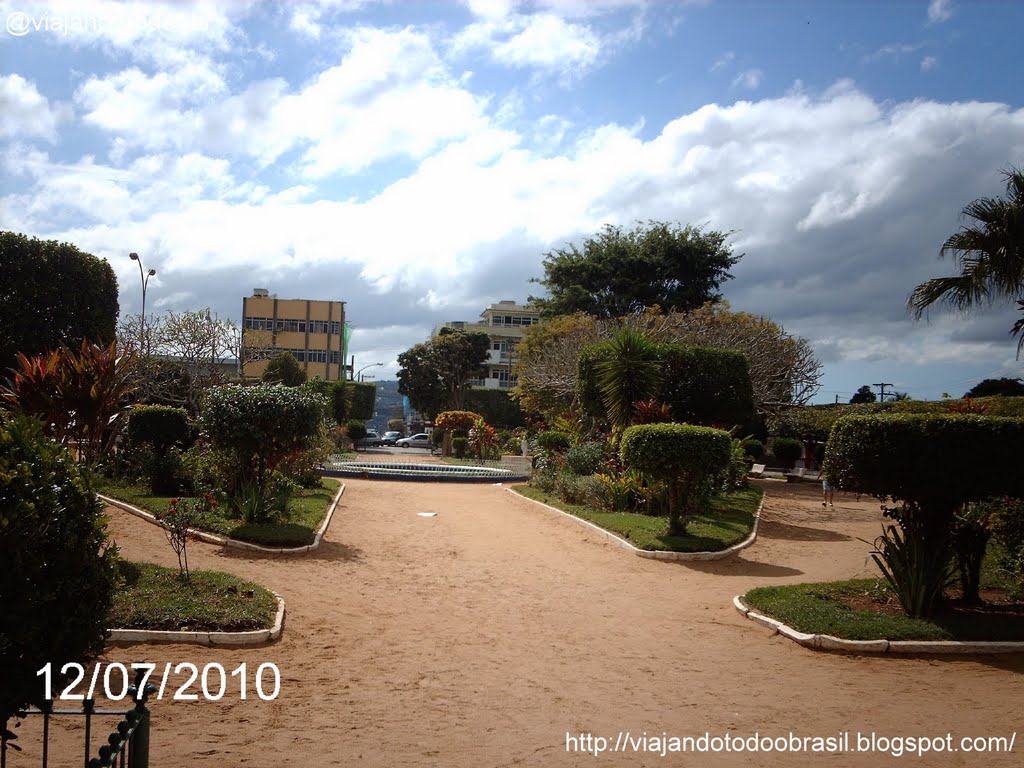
417	159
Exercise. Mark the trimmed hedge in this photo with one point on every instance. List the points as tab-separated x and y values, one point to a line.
814	422
937	462
553	440
364	400
701	385
498	409
685	456
160	425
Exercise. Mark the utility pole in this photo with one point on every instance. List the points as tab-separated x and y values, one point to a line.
881	390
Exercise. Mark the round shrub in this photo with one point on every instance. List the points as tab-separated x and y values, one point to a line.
357	430
686	457
459	446
585	459
753	448
260	426
160	425
436	436
553	441
456	421
58	573
787	450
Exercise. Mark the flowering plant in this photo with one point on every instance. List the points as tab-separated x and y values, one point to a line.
181	515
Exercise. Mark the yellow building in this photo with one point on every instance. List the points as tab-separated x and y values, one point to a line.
313	331
505	322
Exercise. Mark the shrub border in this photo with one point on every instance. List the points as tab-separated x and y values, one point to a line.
817	642
657	554
224	541
250	637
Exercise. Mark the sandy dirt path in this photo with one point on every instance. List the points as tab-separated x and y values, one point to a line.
484	635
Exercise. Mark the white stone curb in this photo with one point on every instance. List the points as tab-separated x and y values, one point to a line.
830	643
655	554
212	538
254	637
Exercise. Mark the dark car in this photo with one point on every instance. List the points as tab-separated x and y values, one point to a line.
390	438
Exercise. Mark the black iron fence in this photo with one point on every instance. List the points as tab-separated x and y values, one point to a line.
127	746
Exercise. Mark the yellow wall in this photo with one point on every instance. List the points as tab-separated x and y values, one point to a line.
298	309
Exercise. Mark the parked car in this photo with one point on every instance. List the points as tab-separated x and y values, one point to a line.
422	440
390	438
372	440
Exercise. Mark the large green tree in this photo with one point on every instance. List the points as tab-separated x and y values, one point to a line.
989	254
434	375
622	272
51	294
1002	387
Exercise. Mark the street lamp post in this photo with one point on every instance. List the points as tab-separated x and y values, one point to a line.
144	276
359	376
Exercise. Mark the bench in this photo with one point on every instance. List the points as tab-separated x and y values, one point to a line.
795	475
757	470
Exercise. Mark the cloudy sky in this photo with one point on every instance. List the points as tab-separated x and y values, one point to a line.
417	159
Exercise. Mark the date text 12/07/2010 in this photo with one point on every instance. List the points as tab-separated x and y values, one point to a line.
211	682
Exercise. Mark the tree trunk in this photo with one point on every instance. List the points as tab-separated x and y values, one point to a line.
676	515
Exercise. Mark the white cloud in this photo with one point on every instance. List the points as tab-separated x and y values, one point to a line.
391	95
840	202
724	60
893	51
749	79
165	33
928	63
939	11
25	112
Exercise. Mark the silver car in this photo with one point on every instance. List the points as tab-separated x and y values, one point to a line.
422	440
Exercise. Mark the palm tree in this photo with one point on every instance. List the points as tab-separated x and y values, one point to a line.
628	374
989	254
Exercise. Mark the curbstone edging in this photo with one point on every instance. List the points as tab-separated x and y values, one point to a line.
829	643
656	554
224	541
251	637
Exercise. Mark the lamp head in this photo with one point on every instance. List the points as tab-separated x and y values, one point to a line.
152	272
133	256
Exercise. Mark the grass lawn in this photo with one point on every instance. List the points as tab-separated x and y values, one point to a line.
729	522
306	512
866	609
154	597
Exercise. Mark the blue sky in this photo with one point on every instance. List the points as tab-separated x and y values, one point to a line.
417	159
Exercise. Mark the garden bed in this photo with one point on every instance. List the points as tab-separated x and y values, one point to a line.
866	609
306	512
156	598
729	522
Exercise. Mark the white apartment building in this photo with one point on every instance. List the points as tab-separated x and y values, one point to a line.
505	323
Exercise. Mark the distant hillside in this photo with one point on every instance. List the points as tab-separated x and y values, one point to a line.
388	406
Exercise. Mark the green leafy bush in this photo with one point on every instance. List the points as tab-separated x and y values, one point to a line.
436	436
930	466
734	476
753	448
576	489
259	426
686	457
154	433
459	446
787	450
553	441
284	369
585	459
160	425
496	407
357	430
1008	528
58	575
